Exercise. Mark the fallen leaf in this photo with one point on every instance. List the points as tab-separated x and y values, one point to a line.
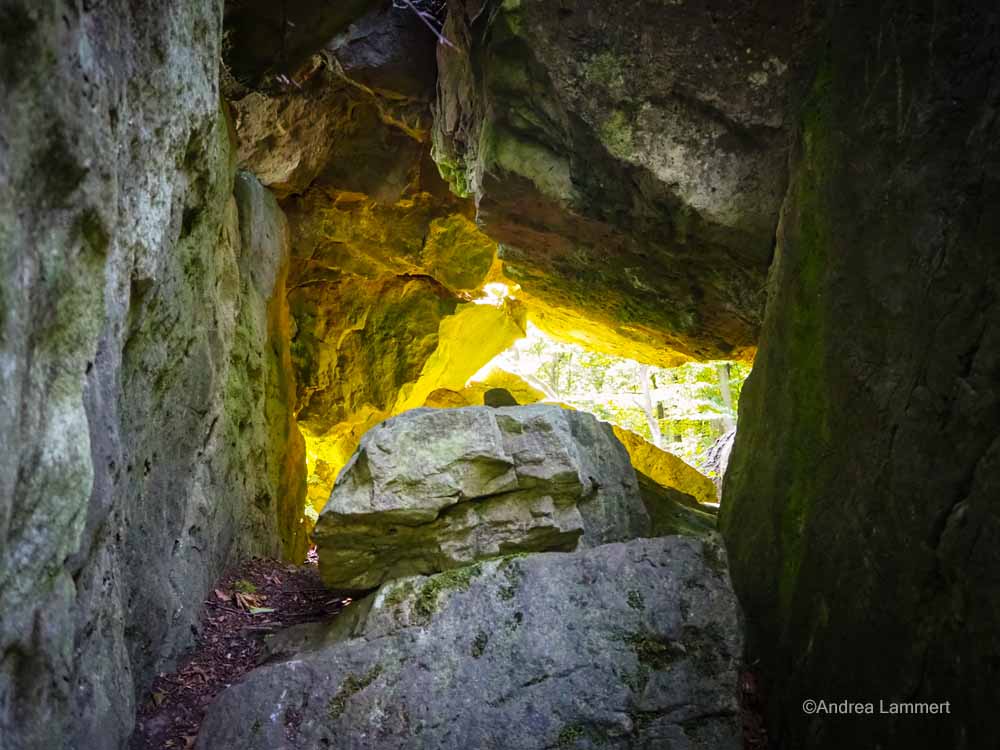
223	596
247	601
158	698
260	610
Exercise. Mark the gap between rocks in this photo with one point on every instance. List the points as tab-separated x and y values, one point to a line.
251	601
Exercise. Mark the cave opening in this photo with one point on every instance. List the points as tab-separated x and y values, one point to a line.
359	209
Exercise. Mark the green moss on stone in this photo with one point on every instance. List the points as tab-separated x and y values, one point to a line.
570	734
479	644
513	573
635	600
549	171
616	134
350	687
460	579
806	343
398	594
605	69
653	652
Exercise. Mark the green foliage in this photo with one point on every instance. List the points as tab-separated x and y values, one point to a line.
688	405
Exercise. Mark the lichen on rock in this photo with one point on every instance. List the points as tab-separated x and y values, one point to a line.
560	656
431	489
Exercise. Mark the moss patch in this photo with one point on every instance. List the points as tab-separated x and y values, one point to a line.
459	579
653	652
616	134
351	686
513	573
479	644
570	734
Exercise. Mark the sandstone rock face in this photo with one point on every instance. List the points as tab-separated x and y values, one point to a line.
385	260
433	489
628	645
145	436
631	161
665	468
674	512
264	40
474	392
860	506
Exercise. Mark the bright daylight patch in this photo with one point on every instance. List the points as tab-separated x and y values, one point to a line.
683	410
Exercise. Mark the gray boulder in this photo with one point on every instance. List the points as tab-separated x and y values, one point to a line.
627	645
433	489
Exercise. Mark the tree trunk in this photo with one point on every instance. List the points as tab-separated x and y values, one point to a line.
647	408
727	396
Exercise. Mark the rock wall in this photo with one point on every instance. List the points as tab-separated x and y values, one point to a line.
385	260
625	645
144	429
860	506
630	160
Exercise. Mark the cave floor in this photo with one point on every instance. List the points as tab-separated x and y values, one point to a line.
260	597
249	602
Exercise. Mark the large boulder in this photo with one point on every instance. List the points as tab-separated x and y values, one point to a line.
628	645
146	433
860	507
631	161
433	489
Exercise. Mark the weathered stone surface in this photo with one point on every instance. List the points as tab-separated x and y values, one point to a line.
264	39
385	259
138	372
665	468
433	489
331	133
860	506
474	392
632	645
630	161
718	457
672	511
267	430
388	49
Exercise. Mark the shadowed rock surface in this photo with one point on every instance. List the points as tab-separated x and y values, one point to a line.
860	506
631	161
163	325
146	435
434	489
628	645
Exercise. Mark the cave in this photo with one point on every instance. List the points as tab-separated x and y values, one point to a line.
272	273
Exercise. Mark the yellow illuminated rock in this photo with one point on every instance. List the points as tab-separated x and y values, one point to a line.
665	468
472	393
467	340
